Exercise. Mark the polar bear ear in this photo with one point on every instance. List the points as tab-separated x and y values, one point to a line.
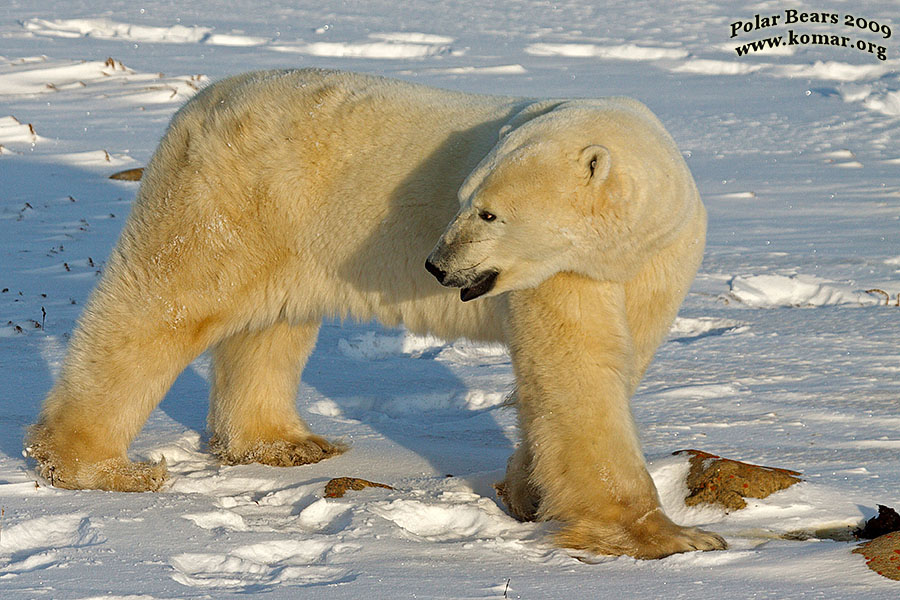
595	163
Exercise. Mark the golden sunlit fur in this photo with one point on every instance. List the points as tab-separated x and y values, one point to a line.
277	199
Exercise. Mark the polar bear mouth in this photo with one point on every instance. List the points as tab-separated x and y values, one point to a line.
480	286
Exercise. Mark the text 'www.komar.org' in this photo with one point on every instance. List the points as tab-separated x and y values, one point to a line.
793	38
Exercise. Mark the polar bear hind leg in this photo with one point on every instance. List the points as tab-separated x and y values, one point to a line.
118	368
252	406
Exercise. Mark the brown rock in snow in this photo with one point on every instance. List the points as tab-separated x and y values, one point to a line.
337	487
716	480
882	555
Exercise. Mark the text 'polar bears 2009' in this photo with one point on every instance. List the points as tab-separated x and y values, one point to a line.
852	25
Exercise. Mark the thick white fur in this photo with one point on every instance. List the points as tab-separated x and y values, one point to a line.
278	198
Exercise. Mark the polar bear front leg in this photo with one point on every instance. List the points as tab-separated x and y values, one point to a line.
573	356
252	408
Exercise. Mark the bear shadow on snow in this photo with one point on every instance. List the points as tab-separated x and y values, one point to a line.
410	400
384	380
67	194
345	381
361	387
60	196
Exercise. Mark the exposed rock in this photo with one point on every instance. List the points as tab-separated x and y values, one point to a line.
887	521
716	480
882	555
128	175
337	487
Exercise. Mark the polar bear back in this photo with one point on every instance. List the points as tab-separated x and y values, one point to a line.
342	182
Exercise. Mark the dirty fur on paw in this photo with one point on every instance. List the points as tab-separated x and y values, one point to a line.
337	487
113	474
716	480
882	555
526	511
279	453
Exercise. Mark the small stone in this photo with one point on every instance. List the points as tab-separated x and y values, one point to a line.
128	175
337	487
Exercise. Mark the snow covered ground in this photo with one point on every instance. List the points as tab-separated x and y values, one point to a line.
779	357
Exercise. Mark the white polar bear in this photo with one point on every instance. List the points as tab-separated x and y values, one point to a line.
278	198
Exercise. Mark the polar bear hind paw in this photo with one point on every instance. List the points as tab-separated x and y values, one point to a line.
85	472
123	475
279	453
112	475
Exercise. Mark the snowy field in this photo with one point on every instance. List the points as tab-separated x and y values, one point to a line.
779	356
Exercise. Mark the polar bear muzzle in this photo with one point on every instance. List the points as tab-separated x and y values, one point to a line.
482	285
435	270
470	288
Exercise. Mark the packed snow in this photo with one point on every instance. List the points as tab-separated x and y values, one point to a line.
784	354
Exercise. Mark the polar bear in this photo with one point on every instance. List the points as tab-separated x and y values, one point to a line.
278	198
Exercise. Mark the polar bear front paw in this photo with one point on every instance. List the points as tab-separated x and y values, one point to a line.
278	453
648	537
520	499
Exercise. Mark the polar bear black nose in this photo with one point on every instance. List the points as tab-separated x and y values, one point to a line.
439	273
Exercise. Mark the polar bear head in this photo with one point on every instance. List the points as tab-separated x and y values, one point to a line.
587	186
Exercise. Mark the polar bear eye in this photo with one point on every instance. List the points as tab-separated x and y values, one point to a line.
487	216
